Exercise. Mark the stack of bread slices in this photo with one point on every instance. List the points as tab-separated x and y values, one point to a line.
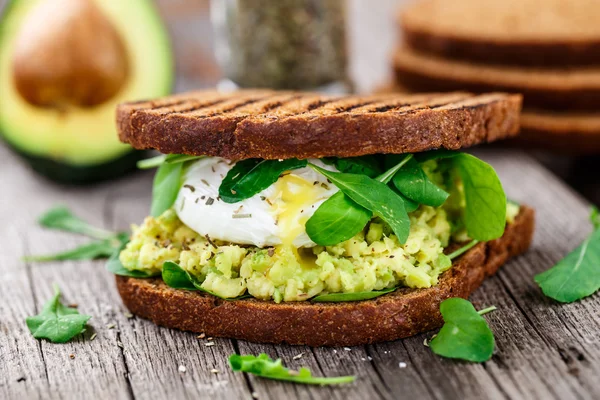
548	50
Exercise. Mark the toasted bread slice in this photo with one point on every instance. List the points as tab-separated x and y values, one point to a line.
275	125
546	88
523	32
400	314
574	133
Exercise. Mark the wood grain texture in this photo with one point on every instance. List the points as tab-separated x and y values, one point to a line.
544	350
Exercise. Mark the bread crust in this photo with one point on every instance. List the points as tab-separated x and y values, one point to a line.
486	51
556	89
545	34
400	314
276	125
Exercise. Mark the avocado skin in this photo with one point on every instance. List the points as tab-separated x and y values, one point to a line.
83	175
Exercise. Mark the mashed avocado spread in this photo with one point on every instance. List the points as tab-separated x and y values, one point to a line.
373	259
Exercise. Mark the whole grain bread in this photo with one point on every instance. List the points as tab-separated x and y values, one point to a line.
275	125
573	133
545	88
520	32
400	314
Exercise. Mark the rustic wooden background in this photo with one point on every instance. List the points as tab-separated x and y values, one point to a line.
544	350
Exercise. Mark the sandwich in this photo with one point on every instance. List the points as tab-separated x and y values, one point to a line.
300	218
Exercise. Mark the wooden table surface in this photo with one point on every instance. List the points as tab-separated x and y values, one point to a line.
544	350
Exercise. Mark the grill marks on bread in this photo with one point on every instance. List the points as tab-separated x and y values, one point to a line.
272	125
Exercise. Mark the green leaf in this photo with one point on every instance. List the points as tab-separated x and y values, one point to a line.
595	217
357	296
336	220
157	161
114	265
465	334
62	219
365	165
576	276
413	183
167	183
153	162
339	218
374	196
88	251
266	367
485	213
56	322
178	278
463	249
249	177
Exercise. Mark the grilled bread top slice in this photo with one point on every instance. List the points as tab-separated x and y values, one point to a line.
278	125
520	32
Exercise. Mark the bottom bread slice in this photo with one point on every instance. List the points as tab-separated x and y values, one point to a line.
400	314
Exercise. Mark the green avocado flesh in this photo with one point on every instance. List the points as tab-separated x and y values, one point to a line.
81	144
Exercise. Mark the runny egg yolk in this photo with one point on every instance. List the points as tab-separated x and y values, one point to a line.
293	194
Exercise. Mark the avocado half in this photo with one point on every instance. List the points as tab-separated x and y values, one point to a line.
80	145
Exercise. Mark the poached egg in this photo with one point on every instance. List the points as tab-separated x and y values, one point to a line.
276	216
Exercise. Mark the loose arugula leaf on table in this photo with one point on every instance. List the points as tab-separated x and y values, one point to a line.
176	277
114	265
413	183
249	177
167	183
465	334
357	296
56	322
374	196
575	276
61	218
266	367
89	251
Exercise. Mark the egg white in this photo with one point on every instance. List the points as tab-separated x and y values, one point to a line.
254	221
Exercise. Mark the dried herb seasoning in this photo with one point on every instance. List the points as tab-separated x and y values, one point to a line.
283	44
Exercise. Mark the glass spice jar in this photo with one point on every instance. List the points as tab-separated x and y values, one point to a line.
282	44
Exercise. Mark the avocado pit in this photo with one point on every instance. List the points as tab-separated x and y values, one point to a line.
68	54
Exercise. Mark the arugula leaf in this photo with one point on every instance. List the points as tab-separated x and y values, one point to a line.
157	161
465	334
357	296
153	162
62	219
56	322
374	196
413	183
365	165
485	213
339	218
167	183
575	276
114	265
178	278
459	252
336	220
266	367
88	251
249	177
